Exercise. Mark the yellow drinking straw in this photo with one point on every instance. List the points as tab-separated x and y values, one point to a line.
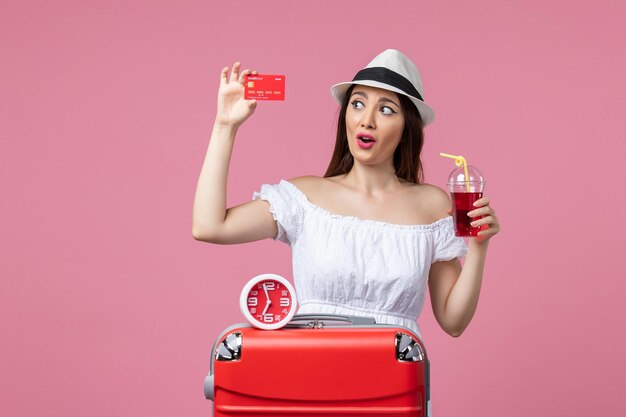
459	161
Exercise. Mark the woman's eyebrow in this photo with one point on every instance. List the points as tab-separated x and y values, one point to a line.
361	93
382	99
385	99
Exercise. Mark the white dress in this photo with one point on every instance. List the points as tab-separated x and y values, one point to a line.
347	265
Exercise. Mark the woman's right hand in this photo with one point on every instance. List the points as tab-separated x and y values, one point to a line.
232	108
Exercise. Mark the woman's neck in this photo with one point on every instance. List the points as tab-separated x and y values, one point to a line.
372	179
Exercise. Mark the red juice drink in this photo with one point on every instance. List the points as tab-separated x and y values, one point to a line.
466	185
463	203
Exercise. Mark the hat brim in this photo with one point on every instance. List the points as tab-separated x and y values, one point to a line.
426	112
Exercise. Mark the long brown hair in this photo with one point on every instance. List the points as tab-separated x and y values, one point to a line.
406	158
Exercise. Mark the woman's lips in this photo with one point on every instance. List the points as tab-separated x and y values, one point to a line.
365	141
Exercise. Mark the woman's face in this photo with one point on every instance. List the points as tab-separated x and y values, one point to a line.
374	124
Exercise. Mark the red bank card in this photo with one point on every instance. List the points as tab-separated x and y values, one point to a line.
264	87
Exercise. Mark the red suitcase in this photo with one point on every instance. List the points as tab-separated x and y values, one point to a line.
319	365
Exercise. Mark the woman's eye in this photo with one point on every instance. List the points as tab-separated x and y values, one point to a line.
387	110
357	104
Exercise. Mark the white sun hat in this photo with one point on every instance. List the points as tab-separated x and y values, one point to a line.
393	71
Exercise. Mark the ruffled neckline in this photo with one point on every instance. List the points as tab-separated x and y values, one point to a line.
446	221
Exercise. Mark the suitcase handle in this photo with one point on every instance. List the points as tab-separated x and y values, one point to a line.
353	320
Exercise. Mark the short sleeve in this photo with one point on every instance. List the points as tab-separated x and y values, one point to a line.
286	208
447	245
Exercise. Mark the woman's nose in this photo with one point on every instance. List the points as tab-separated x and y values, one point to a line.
368	119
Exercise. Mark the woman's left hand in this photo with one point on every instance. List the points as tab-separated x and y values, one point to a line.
489	224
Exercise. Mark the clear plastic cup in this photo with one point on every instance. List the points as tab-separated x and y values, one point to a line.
464	191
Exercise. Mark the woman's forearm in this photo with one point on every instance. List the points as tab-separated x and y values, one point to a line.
209	207
463	299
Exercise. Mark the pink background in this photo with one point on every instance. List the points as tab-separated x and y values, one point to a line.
108	307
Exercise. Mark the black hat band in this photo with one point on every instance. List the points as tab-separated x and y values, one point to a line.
387	76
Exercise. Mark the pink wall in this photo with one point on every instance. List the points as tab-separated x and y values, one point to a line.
108	307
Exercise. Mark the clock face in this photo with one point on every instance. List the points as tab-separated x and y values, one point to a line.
268	301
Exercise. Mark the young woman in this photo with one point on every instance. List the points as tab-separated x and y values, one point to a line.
369	237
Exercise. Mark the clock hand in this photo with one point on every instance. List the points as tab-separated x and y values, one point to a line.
267	300
267	296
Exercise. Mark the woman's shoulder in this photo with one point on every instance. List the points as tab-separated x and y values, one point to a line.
310	184
319	191
430	199
305	181
432	192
